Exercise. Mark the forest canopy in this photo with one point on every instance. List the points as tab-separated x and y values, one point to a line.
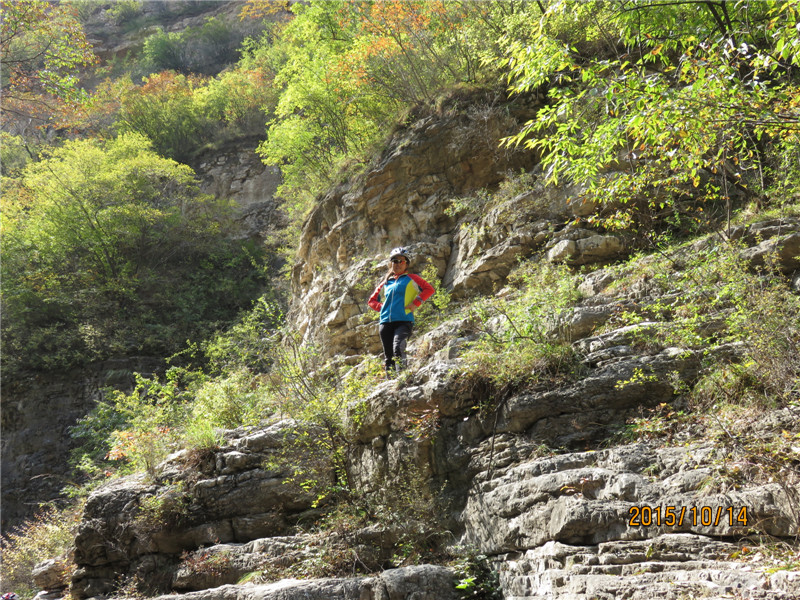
678	99
110	248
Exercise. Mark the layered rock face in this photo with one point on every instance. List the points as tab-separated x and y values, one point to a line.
631	521
237	173
402	200
140	526
635	520
409	197
596	518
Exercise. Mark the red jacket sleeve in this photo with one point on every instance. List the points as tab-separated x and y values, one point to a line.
374	301
426	290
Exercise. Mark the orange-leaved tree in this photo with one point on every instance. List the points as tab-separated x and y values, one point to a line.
347	70
42	49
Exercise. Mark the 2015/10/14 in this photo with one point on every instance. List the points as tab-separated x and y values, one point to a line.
675	516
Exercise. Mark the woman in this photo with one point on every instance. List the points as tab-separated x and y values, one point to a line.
396	298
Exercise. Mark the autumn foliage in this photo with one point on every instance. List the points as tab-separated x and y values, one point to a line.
42	46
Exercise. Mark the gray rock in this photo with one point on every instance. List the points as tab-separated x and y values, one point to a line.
574	525
37	443
588	250
423	582
44	595
562	251
236	501
50	575
784	252
595	282
670	566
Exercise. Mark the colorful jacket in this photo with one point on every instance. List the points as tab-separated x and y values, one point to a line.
392	298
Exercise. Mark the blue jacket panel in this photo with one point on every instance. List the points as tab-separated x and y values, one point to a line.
392	297
395	299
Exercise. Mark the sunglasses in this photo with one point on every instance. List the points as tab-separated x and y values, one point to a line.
397	260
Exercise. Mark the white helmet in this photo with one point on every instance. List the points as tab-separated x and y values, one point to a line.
400	251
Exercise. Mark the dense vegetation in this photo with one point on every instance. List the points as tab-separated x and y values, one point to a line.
675	117
110	248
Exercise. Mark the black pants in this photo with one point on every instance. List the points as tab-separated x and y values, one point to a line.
394	337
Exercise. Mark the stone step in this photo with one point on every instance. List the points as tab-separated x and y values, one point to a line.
672	583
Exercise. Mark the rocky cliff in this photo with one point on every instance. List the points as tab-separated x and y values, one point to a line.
406	199
575	524
538	481
37	414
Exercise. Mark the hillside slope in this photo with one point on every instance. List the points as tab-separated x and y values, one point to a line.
598	478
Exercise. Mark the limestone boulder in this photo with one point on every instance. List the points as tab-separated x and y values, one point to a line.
422	582
589	250
51	575
773	242
783	251
141	525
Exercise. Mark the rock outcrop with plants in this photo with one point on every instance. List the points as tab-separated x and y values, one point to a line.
602	398
563	428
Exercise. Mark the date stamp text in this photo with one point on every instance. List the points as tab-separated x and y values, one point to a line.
677	516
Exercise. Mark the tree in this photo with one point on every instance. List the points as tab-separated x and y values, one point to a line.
680	108
346	70
108	247
42	48
163	110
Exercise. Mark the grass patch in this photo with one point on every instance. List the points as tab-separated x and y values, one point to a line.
516	346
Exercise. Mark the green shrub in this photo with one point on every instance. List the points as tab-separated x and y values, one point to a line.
661	422
510	201
49	534
241	97
13	154
475	578
247	344
123	11
646	134
165	51
151	414
230	401
163	510
85	8
200	435
432	312
207	49
164	111
134	431
715	298
215	42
